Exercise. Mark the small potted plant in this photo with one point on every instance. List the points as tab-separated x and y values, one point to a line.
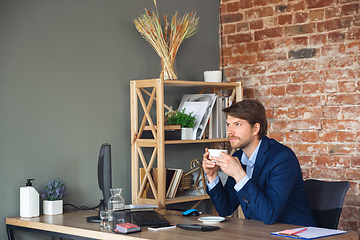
186	120
53	194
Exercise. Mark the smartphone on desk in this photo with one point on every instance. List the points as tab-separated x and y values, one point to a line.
160	228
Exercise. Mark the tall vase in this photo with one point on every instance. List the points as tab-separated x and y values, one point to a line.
168	69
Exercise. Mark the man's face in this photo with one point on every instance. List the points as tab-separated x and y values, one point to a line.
240	132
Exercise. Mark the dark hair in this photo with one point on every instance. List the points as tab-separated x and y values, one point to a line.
250	110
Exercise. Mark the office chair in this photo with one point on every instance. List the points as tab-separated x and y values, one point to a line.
326	201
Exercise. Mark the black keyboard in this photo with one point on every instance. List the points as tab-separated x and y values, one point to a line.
149	218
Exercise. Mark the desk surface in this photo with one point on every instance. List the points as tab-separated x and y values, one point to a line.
74	223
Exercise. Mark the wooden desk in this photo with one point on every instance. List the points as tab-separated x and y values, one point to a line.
73	225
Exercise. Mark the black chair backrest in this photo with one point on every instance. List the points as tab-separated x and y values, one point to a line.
326	200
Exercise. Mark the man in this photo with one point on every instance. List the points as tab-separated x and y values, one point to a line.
264	176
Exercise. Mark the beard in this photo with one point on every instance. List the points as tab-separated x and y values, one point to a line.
239	143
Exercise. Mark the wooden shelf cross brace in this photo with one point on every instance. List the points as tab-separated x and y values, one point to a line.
146	109
147	176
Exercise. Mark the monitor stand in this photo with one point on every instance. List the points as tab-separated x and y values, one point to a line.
96	219
93	219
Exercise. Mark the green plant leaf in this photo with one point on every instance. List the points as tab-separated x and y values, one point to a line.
186	120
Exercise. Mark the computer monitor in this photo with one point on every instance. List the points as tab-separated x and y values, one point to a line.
104	178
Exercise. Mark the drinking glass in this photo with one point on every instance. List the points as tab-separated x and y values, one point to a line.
104	223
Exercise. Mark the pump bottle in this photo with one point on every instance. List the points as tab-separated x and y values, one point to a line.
29	201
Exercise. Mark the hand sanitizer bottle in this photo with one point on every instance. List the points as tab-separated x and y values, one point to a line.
29	201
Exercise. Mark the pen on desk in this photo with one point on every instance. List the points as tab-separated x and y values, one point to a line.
297	232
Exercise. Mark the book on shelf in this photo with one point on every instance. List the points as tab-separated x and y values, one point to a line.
127	228
170	173
175	182
173	178
201	105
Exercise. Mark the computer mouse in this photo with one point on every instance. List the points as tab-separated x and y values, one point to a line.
190	212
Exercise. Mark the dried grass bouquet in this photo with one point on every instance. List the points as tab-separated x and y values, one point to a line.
166	38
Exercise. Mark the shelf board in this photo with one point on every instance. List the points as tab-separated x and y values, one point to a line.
153	142
180	83
216	140
189	83
183	198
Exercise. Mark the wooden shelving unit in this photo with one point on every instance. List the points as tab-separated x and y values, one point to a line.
154	90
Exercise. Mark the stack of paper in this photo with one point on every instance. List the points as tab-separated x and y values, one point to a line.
308	233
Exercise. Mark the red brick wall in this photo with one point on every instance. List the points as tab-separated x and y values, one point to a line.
301	58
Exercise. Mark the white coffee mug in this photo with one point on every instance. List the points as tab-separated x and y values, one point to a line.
216	153
212	76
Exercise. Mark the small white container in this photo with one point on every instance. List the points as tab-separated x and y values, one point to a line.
29	201
186	133
52	207
212	76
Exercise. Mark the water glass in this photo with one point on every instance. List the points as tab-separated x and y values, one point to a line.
104	221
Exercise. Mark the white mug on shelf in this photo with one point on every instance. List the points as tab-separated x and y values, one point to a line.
212	76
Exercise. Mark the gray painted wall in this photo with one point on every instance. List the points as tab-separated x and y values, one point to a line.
65	67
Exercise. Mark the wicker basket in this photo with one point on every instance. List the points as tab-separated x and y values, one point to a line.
185	183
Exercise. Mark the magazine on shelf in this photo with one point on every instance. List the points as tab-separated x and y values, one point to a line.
201	105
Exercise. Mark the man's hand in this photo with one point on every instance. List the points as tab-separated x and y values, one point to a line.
210	168
230	165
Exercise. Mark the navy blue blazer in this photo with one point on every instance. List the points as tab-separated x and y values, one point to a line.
275	193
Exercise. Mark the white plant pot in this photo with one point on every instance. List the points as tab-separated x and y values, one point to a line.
186	133
52	207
